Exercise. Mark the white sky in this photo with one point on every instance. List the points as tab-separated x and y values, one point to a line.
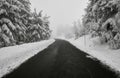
61	12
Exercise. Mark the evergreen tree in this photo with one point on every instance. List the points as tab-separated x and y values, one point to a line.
38	27
102	19
13	21
16	25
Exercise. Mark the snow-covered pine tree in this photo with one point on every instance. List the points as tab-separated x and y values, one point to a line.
16	25
38	27
13	21
103	18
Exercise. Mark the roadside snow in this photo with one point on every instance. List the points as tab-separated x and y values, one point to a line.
12	57
93	47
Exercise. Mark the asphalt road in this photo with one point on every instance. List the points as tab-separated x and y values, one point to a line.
61	60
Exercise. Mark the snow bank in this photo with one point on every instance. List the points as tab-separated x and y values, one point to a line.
93	47
12	57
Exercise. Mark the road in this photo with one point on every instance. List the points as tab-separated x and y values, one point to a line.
61	60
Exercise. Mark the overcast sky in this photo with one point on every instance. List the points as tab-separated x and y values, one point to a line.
62	12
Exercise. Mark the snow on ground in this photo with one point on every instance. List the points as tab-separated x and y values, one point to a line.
93	47
12	57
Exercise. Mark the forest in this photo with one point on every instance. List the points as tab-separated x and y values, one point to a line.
102	19
19	25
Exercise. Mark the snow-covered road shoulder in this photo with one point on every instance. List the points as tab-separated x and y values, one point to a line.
93	47
12	57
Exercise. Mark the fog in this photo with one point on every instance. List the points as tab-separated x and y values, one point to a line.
62	12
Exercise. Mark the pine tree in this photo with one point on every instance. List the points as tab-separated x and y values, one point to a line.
16	25
13	21
39	27
102	17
